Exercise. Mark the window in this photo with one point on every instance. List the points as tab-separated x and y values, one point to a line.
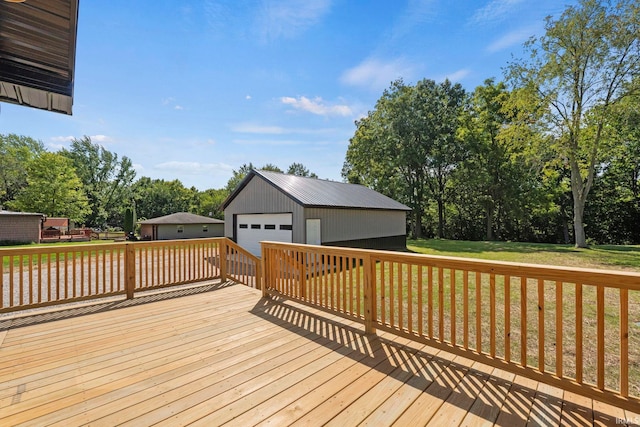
269	226
255	226
286	227
205	228
243	226
180	228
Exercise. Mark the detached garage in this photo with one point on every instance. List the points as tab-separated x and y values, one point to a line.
287	208
181	225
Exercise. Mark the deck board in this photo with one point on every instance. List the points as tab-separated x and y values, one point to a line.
222	355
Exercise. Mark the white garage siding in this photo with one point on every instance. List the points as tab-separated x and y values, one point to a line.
253	228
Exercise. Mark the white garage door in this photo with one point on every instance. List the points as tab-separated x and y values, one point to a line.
253	228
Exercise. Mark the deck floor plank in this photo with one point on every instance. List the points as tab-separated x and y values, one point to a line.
223	355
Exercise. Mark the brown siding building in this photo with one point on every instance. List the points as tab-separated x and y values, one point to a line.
20	227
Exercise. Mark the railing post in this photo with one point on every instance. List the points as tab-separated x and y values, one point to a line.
129	269
264	270
222	257
369	295
303	274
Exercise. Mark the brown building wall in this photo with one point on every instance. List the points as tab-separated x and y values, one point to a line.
20	228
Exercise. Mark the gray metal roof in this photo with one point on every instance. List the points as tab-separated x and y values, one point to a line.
182	218
38	52
313	192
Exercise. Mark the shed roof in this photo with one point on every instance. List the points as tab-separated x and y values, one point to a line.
38	53
313	192
9	213
182	218
56	222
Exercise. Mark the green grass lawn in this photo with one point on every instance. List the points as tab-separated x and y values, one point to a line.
601	256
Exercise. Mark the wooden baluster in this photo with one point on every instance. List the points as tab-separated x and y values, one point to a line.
559	326
624	342
492	315
478	312
507	318
600	336
541	325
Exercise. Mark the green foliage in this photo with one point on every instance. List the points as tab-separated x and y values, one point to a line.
209	202
128	221
408	146
53	188
107	180
157	197
299	169
15	153
577	72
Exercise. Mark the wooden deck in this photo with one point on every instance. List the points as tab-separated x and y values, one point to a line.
222	355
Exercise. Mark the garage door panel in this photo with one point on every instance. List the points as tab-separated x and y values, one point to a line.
251	229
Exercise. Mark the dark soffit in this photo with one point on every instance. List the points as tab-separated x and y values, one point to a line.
37	53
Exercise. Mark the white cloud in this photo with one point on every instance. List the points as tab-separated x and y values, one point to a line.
317	106
377	75
178	107
62	138
100	138
288	18
458	75
248	97
513	38
254	128
495	11
193	168
267	142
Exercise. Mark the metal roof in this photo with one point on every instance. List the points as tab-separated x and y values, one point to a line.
313	192
12	213
182	218
38	52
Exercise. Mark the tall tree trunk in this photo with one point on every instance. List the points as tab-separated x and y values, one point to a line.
489	222
417	230
440	218
578	224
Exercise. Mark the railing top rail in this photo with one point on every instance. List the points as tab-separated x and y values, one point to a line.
587	276
176	242
67	247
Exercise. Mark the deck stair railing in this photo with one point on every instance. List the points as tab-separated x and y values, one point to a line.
578	329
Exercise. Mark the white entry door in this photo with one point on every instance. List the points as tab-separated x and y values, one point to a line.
251	229
314	237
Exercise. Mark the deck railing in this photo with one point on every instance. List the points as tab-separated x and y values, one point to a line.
48	275
575	328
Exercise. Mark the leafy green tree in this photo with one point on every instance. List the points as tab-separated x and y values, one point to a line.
615	206
299	169
407	146
15	153
53	188
107	180
238	175
580	69
209	202
157	197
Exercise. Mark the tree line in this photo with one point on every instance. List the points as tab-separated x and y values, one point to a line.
95	187
550	155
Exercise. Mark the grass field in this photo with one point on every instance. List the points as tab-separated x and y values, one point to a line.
602	256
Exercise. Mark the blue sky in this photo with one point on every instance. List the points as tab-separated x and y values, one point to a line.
192	89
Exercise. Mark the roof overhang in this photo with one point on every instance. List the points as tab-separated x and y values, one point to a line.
38	53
